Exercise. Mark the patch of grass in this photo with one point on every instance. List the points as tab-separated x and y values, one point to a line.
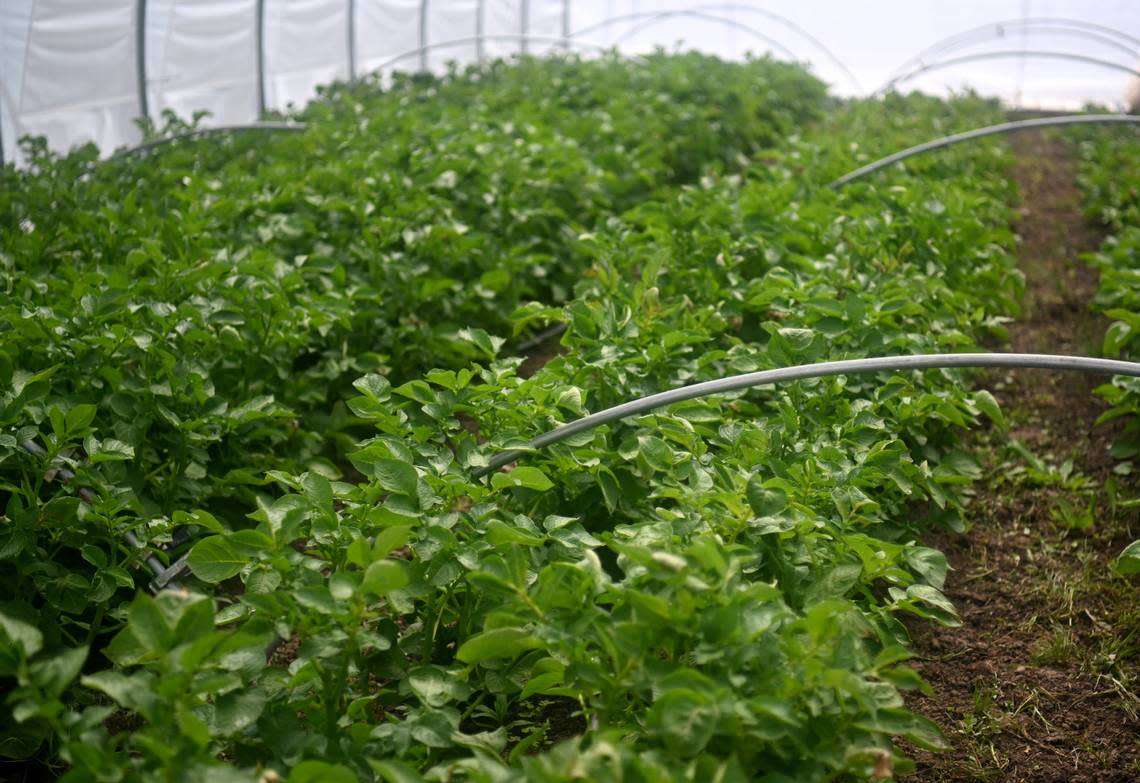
1058	647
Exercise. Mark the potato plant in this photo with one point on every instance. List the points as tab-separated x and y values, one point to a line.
294	353
1111	186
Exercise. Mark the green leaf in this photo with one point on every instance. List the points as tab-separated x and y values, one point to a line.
79	417
525	476
499	533
435	686
395	771
1128	562
57	672
214	558
192	726
765	502
989	406
835	582
384	576
395	476
686	720
898	722
497	643
27	637
111	450
391	538
148	624
236	711
487	345
133	692
928	563
321	772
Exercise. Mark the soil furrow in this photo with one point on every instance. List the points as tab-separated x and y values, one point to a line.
1039	683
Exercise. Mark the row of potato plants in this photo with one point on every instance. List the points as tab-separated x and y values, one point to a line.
176	326
1109	177
710	592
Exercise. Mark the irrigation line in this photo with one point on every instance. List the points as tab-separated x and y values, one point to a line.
818	370
1005	127
951	42
163	576
213	131
969	58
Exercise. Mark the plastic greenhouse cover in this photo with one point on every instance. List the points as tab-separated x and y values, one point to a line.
306	45
70	69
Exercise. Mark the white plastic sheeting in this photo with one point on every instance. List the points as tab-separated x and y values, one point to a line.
68	72
387	30
448	21
202	56
503	19
70	69
306	45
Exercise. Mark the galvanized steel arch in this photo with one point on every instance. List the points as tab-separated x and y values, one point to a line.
656	17
748	9
1000	32
422	50
1004	55
804	371
990	130
212	131
951	42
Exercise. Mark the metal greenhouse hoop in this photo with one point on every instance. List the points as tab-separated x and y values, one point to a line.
952	41
1005	127
731	8
999	31
478	39
161	572
817	370
212	131
968	58
651	18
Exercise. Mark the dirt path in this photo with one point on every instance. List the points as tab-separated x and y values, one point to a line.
1039	684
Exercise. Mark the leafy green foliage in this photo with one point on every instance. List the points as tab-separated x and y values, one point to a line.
1111	186
711	591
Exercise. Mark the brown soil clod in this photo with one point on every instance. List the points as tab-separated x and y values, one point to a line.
1039	682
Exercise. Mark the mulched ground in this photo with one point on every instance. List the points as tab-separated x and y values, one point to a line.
1039	683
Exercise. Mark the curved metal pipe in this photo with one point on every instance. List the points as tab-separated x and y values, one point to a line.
950	42
1002	31
734	8
651	18
1005	127
163	576
818	44
818	370
1002	55
476	39
200	132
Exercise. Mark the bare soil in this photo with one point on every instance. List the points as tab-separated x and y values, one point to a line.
1039	682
